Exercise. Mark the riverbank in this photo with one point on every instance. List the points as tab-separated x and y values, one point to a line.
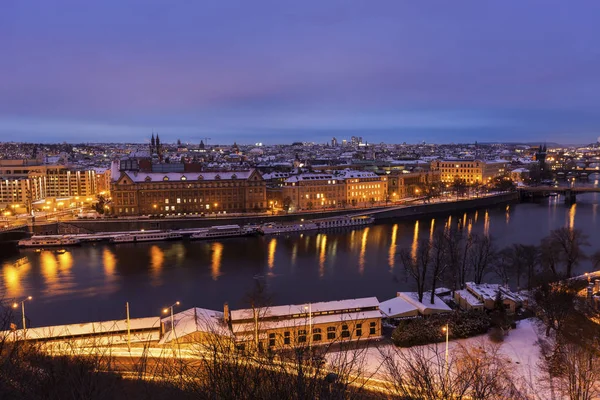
410	211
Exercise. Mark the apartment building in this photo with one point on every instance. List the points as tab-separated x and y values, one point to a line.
470	171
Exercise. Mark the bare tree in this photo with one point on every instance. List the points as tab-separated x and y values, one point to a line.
550	257
481	256
417	265
439	260
458	248
569	242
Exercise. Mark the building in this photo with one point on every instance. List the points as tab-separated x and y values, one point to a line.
313	324
363	188
402	184
309	191
483	296
424	307
25	182
176	193
469	171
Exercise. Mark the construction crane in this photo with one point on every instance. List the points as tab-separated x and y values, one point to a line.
206	139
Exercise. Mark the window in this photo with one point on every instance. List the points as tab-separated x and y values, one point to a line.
302	336
286	338
372	328
345	331
317	334
271	339
331	332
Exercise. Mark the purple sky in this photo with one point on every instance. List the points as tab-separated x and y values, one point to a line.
280	71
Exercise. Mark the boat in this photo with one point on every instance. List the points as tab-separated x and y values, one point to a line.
49	242
345	222
146	237
274	228
221	232
553	194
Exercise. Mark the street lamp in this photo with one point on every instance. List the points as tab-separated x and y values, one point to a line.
445	329
166	311
309	309
15	305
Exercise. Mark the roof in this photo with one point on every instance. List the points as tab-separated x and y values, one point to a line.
189	176
398	307
469	298
488	291
293	309
195	320
425	307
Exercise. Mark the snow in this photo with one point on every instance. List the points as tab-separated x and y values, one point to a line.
241	327
425	307
397	308
469	298
190	176
520	347
314	308
192	321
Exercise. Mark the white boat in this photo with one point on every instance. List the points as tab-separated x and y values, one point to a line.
146	237
344	222
273	228
221	232
49	242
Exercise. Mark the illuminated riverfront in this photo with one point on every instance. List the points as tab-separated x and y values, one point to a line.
94	282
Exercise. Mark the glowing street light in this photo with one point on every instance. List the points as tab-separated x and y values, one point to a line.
15	305
166	311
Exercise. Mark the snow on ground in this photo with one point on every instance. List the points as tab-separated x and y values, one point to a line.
520	346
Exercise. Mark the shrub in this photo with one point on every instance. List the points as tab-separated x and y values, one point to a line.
420	331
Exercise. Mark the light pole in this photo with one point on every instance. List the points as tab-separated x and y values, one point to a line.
309	309
445	329
166	310
15	305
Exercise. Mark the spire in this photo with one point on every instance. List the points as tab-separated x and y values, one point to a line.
152	144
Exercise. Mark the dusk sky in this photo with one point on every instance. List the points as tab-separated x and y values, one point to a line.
281	71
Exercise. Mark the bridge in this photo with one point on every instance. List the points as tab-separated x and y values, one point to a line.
569	193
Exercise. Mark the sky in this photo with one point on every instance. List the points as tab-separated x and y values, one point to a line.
277	71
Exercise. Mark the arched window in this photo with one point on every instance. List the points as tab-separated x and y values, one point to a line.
165	178
183	178
148	179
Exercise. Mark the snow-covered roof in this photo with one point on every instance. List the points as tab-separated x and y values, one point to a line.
92	328
244	327
195	320
425	307
295	309
469	298
398	307
311	177
488	291
189	176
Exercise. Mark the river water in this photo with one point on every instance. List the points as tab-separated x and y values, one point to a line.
93	282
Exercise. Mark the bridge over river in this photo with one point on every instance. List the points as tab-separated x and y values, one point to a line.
569	193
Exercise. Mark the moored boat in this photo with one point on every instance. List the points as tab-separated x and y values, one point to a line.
146	237
222	231
49	242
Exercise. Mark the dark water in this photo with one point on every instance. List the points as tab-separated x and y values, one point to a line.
94	282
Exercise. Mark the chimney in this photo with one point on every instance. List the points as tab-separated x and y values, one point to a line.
226	314
597	286
590	291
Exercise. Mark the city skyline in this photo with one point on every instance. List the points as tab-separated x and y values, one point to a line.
273	73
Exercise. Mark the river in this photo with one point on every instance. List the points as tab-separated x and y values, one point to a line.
93	282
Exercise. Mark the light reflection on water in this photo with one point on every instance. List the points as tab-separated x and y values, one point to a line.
91	282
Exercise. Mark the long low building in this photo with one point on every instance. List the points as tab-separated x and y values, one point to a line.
306	324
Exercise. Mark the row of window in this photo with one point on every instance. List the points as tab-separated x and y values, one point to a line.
317	334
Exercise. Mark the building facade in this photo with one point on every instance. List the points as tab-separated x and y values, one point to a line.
313	324
469	171
174	193
402	185
336	190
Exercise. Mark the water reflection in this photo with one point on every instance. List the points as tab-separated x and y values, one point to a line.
217	254
322	255
572	212
432	229
272	246
363	249
65	261
49	268
476	216
486	224
13	276
392	254
507	214
157	258
110	262
415	242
